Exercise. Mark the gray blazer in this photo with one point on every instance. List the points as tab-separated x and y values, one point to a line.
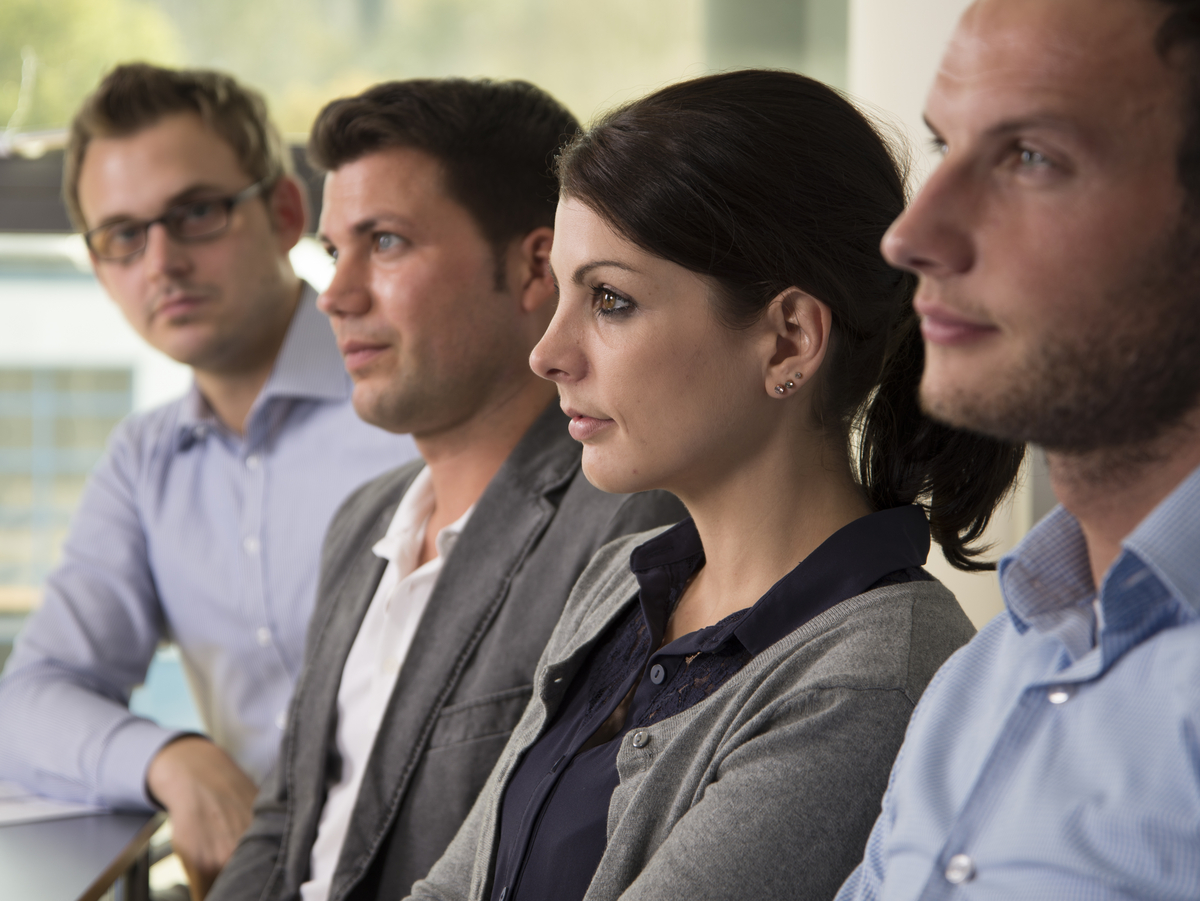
766	789
463	685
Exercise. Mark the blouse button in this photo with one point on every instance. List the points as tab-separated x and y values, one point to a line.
641	739
657	674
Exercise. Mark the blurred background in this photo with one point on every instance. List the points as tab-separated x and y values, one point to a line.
70	368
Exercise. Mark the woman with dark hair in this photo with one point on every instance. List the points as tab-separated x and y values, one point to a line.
718	710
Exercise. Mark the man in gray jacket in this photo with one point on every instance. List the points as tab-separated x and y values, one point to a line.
442	581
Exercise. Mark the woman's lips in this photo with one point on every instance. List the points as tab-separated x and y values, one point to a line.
584	427
942	326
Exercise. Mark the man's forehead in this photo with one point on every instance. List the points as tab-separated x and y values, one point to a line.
1013	57
391	182
154	165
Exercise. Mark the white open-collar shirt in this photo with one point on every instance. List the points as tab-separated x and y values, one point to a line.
375	659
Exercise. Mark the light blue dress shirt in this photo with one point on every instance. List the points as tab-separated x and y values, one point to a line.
1057	755
189	532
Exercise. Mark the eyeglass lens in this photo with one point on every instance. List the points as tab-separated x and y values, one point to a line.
187	221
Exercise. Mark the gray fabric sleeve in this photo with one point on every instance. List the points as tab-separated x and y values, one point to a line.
790	810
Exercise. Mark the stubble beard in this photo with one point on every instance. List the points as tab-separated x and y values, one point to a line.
1107	392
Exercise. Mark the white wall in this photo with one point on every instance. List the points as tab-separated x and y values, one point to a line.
895	47
894	52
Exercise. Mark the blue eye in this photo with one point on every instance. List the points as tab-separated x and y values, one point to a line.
387	241
608	302
1033	159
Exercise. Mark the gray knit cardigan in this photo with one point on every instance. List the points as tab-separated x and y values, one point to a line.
767	788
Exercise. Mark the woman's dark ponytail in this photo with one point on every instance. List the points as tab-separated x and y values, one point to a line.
764	180
905	457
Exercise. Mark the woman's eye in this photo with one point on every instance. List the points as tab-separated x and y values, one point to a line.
609	302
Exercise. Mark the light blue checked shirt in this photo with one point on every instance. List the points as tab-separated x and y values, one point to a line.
190	532
1057	755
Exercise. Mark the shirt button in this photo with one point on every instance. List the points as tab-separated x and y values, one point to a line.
503	892
657	674
281	719
252	461
1060	694
960	869
264	636
641	739
250	543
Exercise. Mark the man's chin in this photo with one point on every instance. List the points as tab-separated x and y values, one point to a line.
961	407
191	348
387	409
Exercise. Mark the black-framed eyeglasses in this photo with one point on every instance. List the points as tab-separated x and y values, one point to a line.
195	220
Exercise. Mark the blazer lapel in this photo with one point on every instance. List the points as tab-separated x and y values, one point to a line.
314	710
507	522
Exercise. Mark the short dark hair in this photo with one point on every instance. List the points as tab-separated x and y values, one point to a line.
137	95
495	140
1181	28
764	180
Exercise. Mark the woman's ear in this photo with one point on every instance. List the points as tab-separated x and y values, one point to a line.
799	326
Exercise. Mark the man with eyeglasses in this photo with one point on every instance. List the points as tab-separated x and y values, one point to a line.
203	524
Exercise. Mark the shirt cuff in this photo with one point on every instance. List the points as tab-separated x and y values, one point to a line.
126	759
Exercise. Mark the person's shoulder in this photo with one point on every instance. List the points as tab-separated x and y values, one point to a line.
1169	663
364	515
891	638
146	435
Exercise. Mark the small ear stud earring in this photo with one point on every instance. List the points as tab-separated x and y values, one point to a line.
799	375
785	387
779	389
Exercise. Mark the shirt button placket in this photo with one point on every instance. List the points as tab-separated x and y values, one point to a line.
1060	694
253	501
959	869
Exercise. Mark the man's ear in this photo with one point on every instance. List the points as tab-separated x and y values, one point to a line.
536	284
287	208
796	328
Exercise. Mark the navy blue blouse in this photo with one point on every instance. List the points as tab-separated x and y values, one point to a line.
553	819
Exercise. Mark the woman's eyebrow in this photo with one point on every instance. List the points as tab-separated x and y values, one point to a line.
582	272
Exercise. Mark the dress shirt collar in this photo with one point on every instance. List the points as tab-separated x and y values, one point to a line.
1047	581
309	367
1167	540
401	544
846	564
